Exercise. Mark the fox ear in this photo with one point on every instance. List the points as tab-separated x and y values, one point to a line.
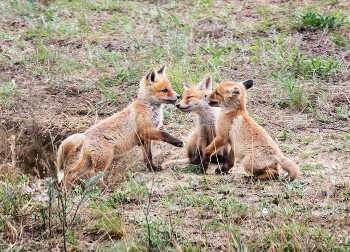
248	84
152	76
162	70
186	87
233	91
206	82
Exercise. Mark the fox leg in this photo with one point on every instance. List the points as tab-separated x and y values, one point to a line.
157	135
268	174
261	173
216	144
228	161
200	146
191	145
147	155
84	165
90	162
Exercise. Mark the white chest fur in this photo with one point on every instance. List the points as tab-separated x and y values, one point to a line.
236	126
157	116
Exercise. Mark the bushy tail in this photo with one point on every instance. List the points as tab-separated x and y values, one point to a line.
68	145
176	162
288	166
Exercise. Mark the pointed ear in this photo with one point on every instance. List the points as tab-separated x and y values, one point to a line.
233	91
152	76
186	87
248	84
162	70
206	83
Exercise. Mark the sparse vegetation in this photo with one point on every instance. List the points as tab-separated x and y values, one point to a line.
66	65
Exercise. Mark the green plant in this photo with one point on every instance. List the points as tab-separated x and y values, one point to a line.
236	240
311	67
255	58
106	220
296	93
343	111
7	91
217	56
317	20
339	39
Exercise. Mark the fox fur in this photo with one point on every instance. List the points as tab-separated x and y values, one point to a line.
138	124
250	143
193	100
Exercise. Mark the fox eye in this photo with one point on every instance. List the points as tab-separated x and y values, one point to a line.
189	97
165	90
216	92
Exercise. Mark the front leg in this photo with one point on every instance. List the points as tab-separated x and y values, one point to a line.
229	162
146	146
157	135
216	144
198	157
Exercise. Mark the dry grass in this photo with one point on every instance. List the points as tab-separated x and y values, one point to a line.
69	64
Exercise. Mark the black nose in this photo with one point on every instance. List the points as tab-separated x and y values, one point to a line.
178	97
178	105
205	96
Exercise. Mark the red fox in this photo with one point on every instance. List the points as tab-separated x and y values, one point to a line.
193	100
137	124
249	142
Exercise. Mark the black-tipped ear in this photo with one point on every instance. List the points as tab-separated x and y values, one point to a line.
152	76
248	84
162	70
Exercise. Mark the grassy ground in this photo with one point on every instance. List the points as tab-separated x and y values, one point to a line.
66	65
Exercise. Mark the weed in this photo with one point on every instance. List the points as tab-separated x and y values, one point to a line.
307	67
318	20
286	134
217	56
296	93
313	167
7	92
339	39
106	220
255	58
343	112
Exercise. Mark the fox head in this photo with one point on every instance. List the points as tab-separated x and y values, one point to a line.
193	99
156	88
230	95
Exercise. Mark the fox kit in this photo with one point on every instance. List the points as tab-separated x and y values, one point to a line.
249	142
194	101
137	124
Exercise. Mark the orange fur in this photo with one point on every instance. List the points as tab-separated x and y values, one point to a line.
137	124
250	143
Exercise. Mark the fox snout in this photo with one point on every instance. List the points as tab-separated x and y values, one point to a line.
183	107
172	99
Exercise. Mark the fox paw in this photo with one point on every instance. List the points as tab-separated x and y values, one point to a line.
220	171
179	144
155	168
204	167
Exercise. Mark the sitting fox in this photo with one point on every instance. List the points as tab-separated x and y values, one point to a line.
193	100
137	124
249	142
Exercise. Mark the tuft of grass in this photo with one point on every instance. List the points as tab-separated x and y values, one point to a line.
106	220
7	92
343	111
296	93
317	20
